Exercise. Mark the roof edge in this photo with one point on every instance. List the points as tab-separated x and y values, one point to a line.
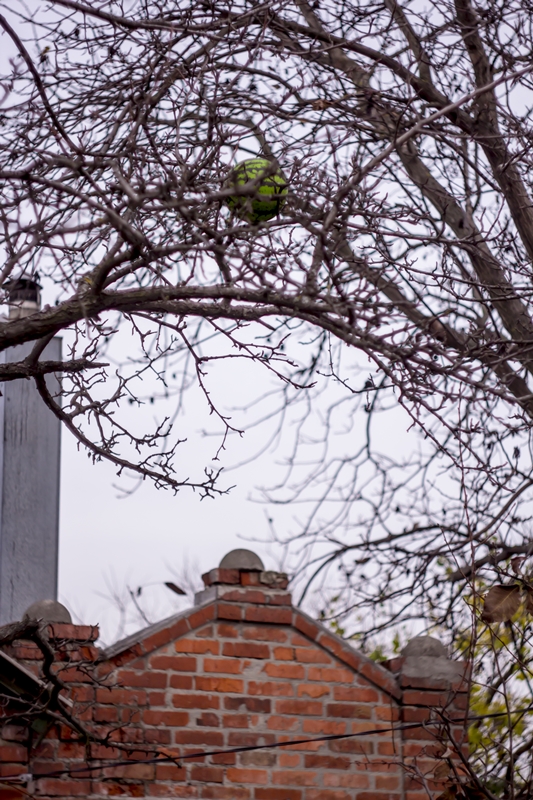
341	649
159	634
148	639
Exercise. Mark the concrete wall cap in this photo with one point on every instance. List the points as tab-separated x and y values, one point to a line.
241	559
425	646
48	611
434	668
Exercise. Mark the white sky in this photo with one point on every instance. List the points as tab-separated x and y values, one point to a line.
109	543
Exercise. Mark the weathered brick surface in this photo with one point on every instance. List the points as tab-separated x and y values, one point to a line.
237	673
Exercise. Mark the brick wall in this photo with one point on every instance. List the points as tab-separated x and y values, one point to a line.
244	668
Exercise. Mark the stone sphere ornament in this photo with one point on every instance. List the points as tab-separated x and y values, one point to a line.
270	190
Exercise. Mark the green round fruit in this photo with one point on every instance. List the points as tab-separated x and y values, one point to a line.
270	190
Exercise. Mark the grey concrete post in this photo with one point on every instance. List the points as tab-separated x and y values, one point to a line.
30	438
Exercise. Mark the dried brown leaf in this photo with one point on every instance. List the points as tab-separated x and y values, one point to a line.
472	792
516	564
501	603
174	587
442	771
529	600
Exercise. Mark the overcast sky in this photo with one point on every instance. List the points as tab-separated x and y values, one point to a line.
111	544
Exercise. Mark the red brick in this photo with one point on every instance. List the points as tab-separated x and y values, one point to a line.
237	775
284	653
389	713
79	633
205	633
301	641
157	698
165	636
82	694
140	772
309	655
355	694
380	796
312	689
97	751
15	733
200	701
71	750
277	723
281	599
242	595
57	787
174	663
325	726
241	739
416	714
195	737
226	631
13	793
250	579
208	719
13	752
176	719
306	626
170	772
221	576
154	736
235	721
289	760
309	707
229	611
294	777
349	710
246	650
181	681
322	794
46	749
387	749
231	666
330	675
264	634
201	616
207	774
273	688
197	646
258	758
279	616
219	684
105	714
285	671
391	782
9	769
352	746
272	793
150	679
316	761
380	677
121	697
225	792
347	781
417	697
254	704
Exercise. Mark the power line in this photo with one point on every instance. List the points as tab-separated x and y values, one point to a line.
162	758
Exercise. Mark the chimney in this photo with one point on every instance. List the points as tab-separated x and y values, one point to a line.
241	578
29	474
23	296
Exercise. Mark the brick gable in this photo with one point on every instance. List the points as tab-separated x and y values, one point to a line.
243	669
